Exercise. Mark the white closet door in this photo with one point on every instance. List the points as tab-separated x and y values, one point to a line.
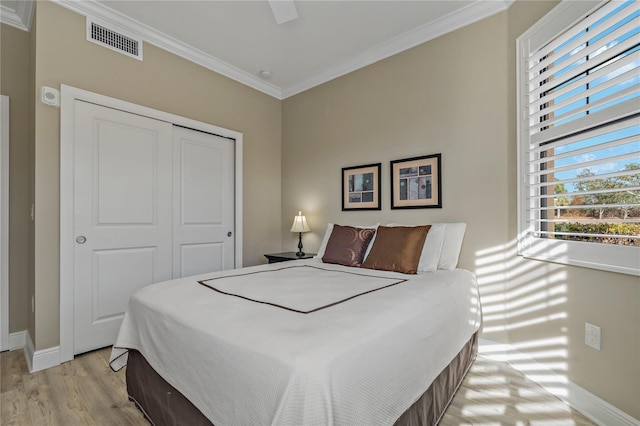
123	205
203	185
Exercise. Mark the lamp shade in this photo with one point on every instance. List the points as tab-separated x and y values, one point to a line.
300	224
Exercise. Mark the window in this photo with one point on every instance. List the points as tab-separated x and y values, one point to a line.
579	136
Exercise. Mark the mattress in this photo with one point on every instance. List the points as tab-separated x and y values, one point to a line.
302	342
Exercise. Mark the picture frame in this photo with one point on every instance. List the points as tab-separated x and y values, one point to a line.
416	183
361	187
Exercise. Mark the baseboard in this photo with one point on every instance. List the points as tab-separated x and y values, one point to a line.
597	409
591	406
45	358
17	340
36	360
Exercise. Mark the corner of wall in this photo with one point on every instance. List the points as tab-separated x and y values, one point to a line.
31	320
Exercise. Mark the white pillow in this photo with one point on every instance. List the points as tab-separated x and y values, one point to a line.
451	246
327	234
432	247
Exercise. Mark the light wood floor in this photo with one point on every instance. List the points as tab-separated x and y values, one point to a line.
86	392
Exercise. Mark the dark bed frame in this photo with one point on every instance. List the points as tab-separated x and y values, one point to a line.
163	405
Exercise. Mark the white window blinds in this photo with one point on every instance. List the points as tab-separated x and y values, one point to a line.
580	130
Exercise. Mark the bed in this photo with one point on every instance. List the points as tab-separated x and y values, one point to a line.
302	342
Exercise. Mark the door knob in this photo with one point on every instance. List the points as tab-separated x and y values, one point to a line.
81	239
229	234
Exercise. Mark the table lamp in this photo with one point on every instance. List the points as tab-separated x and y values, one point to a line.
300	226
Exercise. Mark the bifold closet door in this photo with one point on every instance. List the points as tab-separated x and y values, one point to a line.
152	201
123	206
203	215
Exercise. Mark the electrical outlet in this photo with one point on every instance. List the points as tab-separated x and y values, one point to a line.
592	335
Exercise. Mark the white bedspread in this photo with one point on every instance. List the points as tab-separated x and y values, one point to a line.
244	352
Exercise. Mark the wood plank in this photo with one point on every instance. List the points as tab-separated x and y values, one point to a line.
494	393
13	408
37	391
12	367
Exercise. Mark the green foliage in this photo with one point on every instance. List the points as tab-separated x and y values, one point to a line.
600	228
625	197
559	199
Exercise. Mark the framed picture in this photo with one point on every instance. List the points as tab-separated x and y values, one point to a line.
361	187
416	183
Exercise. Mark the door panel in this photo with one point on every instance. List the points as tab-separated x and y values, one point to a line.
203	181
130	178
117	275
198	259
123	211
202	193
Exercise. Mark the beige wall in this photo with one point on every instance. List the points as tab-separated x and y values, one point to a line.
14	83
426	100
456	95
164	82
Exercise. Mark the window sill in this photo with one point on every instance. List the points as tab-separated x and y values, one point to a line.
611	258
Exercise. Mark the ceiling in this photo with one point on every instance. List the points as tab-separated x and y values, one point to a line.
328	39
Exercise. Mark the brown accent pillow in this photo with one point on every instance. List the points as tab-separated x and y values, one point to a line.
397	249
347	245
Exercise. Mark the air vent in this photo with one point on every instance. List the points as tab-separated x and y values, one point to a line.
114	39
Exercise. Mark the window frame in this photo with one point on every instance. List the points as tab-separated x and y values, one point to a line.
607	257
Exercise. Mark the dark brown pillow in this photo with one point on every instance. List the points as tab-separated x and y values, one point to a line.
397	249
347	245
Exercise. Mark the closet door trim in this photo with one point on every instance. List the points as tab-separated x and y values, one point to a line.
4	223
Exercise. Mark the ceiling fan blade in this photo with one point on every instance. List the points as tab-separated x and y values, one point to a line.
283	10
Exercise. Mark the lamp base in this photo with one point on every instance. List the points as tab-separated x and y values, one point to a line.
300	253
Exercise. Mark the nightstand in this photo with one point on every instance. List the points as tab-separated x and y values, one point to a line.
286	256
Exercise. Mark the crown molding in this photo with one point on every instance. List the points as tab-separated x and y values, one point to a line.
474	12
157	38
20	17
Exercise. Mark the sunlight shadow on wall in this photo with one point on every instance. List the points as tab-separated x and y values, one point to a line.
524	303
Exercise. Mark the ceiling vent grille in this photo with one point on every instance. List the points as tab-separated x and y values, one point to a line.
113	39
